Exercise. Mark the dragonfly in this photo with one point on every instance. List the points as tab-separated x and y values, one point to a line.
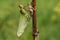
26	13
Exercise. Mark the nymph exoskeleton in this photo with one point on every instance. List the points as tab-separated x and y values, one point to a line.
30	8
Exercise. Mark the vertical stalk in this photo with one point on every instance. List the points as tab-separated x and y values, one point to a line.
35	31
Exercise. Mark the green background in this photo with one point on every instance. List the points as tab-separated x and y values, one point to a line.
48	20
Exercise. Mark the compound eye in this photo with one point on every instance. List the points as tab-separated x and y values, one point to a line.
21	6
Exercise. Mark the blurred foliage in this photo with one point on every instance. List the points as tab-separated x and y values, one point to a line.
48	20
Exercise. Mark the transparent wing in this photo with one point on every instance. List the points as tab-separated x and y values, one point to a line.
22	25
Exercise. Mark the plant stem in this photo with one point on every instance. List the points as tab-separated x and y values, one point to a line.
35	31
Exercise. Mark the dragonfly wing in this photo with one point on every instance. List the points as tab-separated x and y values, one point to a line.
22	25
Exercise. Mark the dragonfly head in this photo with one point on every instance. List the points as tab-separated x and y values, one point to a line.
21	6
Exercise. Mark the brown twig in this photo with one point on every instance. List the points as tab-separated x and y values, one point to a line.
35	31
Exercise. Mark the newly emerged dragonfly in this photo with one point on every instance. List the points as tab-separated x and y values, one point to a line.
24	19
